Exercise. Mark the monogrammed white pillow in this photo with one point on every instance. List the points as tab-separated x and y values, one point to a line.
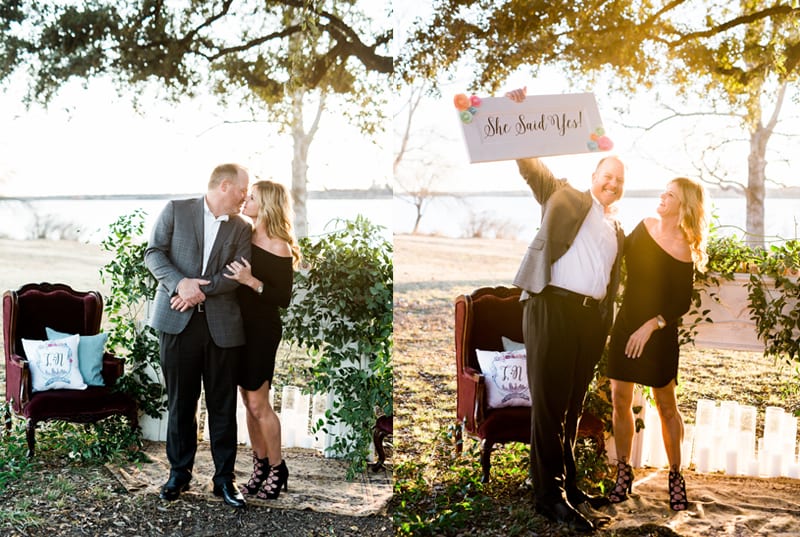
506	378
54	364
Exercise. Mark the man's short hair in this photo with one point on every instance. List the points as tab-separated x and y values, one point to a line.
607	157
222	172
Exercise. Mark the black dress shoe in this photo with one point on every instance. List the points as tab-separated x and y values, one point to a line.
564	513
598	519
230	493
173	488
593	501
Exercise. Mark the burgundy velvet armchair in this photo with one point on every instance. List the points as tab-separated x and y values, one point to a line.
481	319
26	313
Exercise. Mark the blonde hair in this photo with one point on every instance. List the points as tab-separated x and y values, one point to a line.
693	218
275	214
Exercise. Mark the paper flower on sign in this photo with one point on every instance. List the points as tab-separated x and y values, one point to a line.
598	141
467	106
461	101
605	143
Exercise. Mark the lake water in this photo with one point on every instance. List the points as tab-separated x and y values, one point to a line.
88	220
518	216
505	216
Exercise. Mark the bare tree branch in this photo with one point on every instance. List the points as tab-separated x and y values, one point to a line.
414	98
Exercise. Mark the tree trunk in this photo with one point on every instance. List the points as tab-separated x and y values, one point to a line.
299	166
416	221
755	192
301	142
760	134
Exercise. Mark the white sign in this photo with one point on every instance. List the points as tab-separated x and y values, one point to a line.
497	128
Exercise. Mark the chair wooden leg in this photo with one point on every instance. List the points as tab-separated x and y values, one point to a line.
486	459
133	419
377	441
8	421
30	434
459	438
383	429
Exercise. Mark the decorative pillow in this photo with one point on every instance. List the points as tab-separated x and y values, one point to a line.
54	364
506	378
90	355
511	345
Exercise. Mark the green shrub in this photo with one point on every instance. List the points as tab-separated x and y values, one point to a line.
132	286
14	461
341	312
774	297
773	290
107	440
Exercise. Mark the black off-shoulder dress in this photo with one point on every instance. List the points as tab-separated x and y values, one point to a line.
262	317
657	283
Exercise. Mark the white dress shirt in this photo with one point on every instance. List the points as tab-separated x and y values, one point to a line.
586	266
210	229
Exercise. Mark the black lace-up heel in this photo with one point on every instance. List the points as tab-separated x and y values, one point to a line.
677	492
624	483
260	471
277	478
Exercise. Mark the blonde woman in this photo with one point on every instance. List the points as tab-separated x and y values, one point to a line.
661	255
266	286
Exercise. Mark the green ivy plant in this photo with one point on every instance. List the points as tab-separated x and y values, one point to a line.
726	256
14	461
132	286
341	313
772	289
774	296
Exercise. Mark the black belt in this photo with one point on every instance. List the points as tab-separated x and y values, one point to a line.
582	300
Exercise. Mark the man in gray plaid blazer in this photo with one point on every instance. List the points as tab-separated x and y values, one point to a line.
200	326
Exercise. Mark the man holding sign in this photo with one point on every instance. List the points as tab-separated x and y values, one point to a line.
569	278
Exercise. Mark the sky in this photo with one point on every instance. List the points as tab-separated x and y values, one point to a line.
89	140
652	157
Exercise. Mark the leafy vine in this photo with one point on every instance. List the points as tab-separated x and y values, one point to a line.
341	313
132	286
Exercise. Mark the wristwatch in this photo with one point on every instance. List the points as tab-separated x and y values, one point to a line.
260	289
660	322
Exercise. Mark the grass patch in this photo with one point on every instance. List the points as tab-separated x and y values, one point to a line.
20	514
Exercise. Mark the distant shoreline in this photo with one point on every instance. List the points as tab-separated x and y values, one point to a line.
785	193
372	193
387	193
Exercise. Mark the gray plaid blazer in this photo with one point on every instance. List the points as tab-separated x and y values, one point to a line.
175	251
564	208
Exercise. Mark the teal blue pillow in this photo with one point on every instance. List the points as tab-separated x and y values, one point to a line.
90	355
